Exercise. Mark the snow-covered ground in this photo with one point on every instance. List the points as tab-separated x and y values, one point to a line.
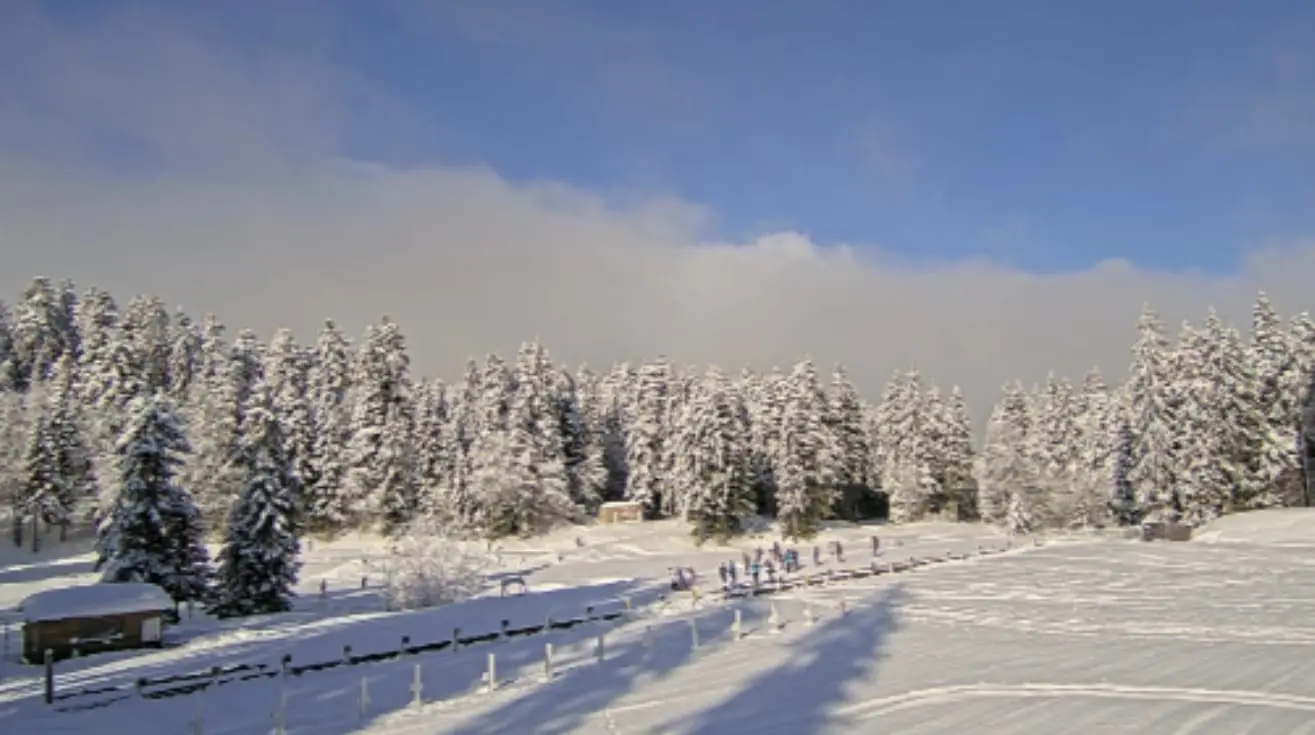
1083	634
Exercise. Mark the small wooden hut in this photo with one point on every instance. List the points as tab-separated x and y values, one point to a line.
73	621
621	512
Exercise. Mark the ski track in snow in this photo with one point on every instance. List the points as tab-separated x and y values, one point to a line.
1085	634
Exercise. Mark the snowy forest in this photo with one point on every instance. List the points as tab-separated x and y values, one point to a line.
110	408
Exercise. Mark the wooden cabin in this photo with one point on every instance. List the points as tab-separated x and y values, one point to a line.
621	512
75	621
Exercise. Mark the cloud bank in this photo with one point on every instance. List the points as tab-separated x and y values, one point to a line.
251	208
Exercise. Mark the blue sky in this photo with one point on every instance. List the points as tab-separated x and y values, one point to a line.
624	179
1046	136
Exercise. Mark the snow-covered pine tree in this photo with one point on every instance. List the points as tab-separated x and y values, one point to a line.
433	447
215	420
9	367
145	324
1093	474
764	406
1152	415
1123	496
380	483
617	394
463	430
1204	487
585	473
73	452
646	436
1276	462
520	473
807	457
286	373
14	433
1007	468
712	460
958	456
97	320
328	384
847	421
909	448
592	473
154	533
184	356
1054	435
41	486
37	334
258	565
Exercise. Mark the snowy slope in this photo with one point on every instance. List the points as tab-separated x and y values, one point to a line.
1084	635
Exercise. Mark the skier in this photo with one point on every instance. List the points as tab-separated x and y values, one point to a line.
721	572
770	568
876	545
776	551
730	571
758	555
840	552
746	562
817	556
753	573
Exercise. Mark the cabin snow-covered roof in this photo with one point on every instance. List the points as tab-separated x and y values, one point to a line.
622	504
94	600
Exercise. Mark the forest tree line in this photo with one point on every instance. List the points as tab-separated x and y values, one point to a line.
1204	425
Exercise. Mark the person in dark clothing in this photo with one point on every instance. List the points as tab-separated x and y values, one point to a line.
770	568
840	552
876	545
753	572
721	572
817	556
730	571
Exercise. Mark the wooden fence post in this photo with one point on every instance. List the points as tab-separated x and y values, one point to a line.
547	662
50	676
492	672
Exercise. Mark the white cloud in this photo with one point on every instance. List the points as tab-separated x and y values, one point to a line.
469	262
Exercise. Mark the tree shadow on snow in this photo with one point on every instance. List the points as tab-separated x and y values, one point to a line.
795	697
578	692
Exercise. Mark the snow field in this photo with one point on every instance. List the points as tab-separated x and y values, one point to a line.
318	629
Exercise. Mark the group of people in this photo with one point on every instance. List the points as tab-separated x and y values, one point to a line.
767	563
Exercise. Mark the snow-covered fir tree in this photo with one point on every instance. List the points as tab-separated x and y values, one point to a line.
1008	475
154	533
649	427
434	445
805	463
380	484
258	564
1204	487
286	373
712	460
1152	413
958	455
184	356
328	383
520	477
1276	462
846	418
585	472
214	420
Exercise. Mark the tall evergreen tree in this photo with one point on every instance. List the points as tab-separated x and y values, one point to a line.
328	384
1151	402
647	432
712	450
155	533
259	561
806	462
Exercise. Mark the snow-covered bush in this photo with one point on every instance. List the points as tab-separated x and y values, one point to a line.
426	567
